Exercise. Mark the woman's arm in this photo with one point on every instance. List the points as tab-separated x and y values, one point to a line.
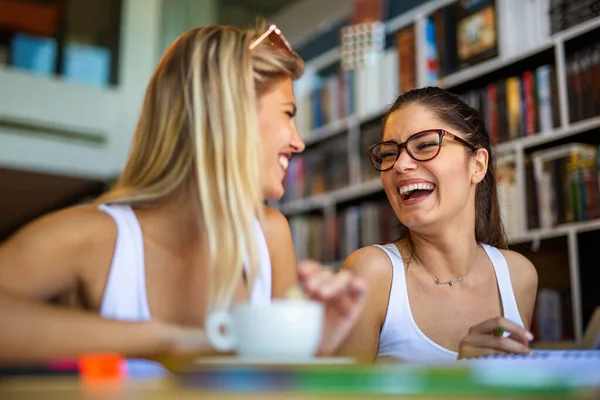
524	280
374	267
281	250
49	257
33	332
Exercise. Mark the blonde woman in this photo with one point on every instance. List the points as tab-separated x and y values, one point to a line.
185	231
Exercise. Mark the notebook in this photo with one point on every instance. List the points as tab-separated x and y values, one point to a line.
572	368
579	367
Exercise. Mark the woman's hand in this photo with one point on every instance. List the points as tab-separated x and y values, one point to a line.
178	346
343	296
488	338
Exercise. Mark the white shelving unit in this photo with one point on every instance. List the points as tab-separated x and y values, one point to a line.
351	127
53	125
353	122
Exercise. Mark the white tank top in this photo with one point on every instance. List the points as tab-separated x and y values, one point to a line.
125	295
401	337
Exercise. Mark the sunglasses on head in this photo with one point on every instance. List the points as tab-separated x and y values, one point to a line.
275	38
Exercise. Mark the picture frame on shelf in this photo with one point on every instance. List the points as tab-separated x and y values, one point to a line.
476	31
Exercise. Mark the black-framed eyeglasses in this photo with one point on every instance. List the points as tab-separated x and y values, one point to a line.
422	146
275	38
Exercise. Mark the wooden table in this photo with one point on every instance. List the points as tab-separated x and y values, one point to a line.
167	389
175	387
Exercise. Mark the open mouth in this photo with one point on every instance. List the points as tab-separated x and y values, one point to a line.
284	162
415	191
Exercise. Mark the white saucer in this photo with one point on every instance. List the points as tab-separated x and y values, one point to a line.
274	361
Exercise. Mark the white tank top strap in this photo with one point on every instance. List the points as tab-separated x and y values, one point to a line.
262	287
509	302
125	291
396	308
393	335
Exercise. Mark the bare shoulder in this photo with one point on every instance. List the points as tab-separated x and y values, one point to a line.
276	229
522	272
372	264
70	227
281	251
275	223
524	280
52	251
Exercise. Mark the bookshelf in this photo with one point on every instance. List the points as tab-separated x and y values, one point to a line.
336	204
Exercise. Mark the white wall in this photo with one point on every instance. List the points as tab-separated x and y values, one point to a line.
111	112
307	18
140	43
179	16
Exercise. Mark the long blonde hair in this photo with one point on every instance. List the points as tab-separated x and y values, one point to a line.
199	124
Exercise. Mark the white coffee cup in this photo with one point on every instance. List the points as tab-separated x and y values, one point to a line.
283	329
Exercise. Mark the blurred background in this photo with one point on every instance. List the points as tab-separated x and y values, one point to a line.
72	76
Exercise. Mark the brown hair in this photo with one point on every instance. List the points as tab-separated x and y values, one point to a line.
452	110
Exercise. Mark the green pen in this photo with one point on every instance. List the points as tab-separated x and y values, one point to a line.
499	331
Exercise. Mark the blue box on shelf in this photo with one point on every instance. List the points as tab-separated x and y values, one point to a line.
86	64
33	53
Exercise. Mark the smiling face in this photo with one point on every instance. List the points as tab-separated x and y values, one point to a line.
424	193
279	136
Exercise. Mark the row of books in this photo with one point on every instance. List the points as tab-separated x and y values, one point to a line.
517	106
322	168
567	13
561	186
552	315
456	36
466	33
364	91
370	134
311	238
328	166
330	239
583	83
524	24
564	185
509	195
